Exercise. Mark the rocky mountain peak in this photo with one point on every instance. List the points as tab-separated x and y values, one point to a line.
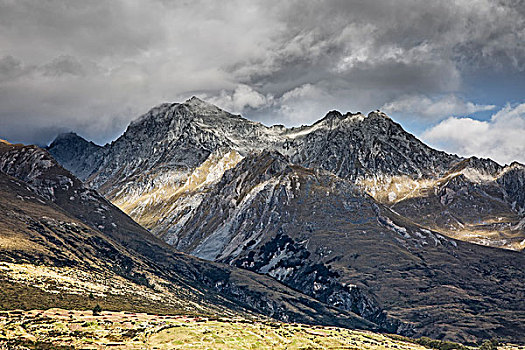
71	139
482	165
378	114
203	108
333	115
67	136
169	121
195	101
373	124
74	152
335	118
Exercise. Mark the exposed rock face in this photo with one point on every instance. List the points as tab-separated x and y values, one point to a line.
74	152
512	179
49	217
322	235
352	210
158	170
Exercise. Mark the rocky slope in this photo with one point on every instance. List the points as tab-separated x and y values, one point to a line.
158	170
77	243
477	200
322	235
352	210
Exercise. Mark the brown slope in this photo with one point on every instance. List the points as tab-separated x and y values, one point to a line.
320	234
67	258
476	201
51	219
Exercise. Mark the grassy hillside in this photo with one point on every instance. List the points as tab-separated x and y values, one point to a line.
74	329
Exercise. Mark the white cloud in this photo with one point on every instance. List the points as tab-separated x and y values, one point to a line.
93	66
242	98
502	138
303	105
434	109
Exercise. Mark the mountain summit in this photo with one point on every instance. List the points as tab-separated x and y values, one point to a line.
167	146
353	210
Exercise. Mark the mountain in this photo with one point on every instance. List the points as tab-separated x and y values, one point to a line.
63	245
477	200
352	146
322	235
158	170
351	210
79	152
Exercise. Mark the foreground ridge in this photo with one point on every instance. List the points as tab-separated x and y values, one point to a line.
65	245
80	329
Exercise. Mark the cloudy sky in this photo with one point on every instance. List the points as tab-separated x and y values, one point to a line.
452	72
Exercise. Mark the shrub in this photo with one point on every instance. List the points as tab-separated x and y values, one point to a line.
97	310
489	345
439	344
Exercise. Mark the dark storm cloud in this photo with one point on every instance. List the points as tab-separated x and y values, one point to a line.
92	66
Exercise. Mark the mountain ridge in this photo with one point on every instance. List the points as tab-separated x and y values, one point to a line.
90	236
166	145
348	209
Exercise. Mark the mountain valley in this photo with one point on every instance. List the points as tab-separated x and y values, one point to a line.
63	245
352	210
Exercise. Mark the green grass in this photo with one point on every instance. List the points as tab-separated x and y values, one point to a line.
69	329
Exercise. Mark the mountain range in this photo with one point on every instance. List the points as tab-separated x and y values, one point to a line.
62	241
176	152
350	221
